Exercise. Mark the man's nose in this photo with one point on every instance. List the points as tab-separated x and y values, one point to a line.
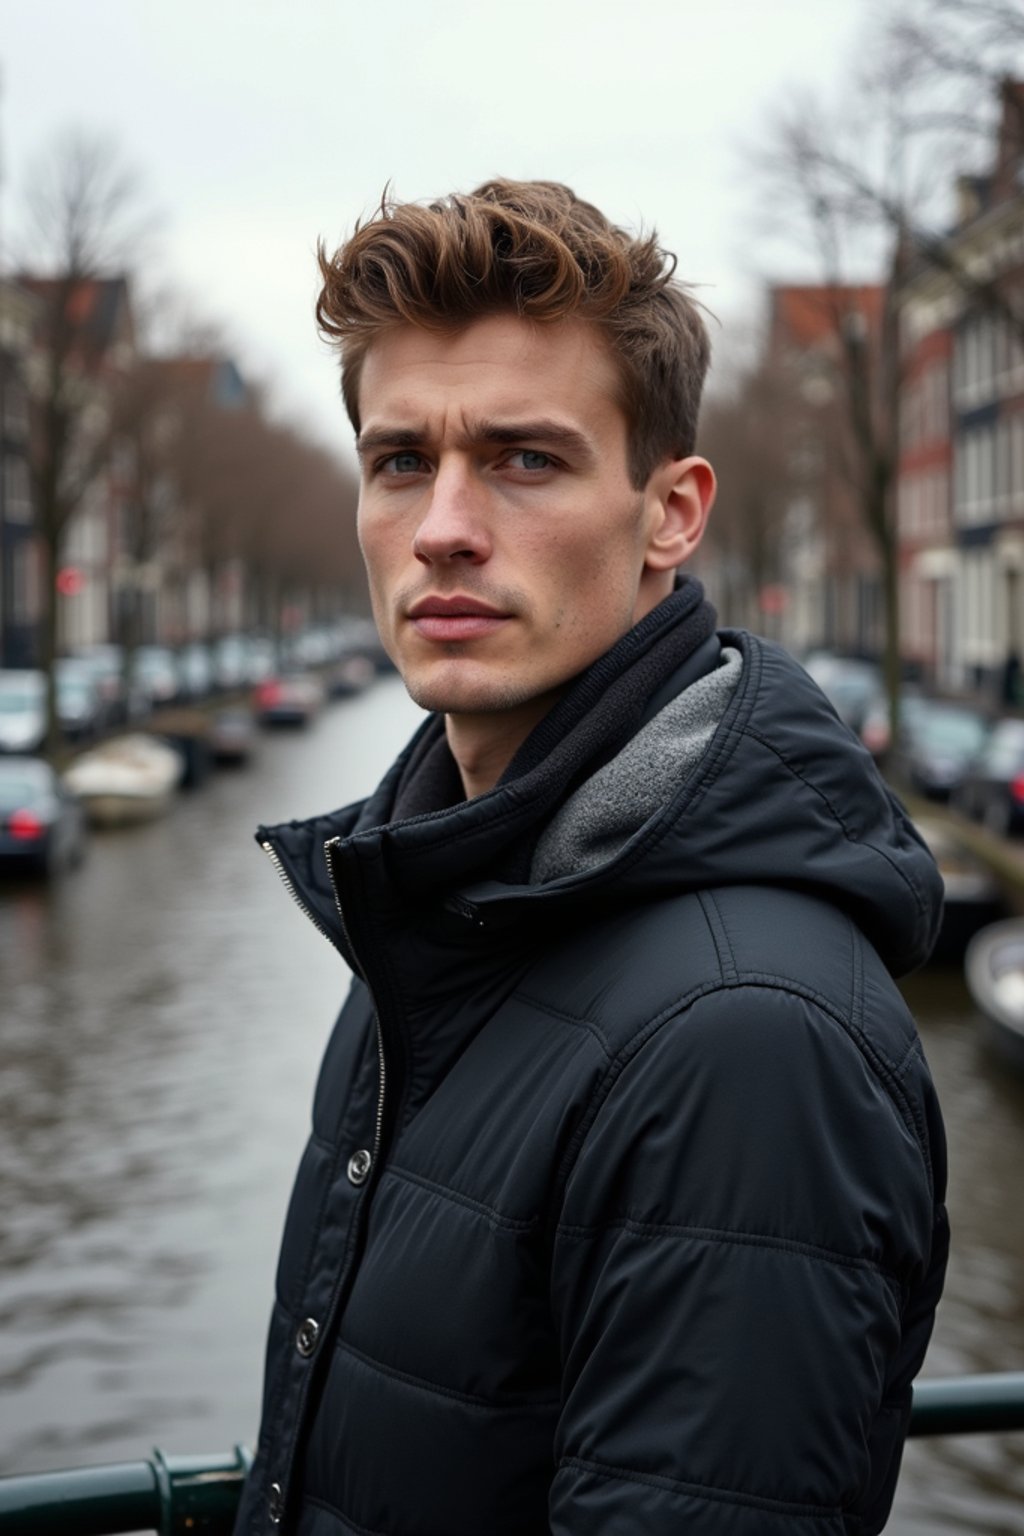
454	525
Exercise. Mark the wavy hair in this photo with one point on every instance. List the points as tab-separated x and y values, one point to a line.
533	249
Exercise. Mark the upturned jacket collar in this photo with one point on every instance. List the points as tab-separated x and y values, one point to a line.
784	796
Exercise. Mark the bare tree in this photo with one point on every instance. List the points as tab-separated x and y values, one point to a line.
863	342
934	80
77	228
860	179
255	492
147	400
752	433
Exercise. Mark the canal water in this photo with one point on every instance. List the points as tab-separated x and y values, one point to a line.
162	1015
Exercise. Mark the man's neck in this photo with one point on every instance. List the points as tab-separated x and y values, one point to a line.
483	745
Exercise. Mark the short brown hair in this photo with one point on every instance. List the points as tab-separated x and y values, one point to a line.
530	248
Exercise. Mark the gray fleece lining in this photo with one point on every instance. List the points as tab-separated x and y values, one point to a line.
605	812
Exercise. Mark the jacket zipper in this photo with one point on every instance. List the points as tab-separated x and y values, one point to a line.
289	886
287	882
378	1130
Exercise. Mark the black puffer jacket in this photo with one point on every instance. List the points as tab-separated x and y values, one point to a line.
622	1207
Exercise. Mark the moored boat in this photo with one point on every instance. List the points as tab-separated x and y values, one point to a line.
994	968
972	895
126	780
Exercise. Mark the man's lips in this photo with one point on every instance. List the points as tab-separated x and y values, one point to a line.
455	618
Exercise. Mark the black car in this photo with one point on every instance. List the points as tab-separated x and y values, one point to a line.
42	825
937	744
992	790
853	687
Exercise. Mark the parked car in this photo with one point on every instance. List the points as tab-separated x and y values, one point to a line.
196	677
233	735
853	687
876	731
992	789
291	698
42	825
260	658
231	663
350	675
155	673
23	706
105	663
80	706
937	744
22	711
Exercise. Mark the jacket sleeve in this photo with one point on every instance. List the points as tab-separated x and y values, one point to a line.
744	1279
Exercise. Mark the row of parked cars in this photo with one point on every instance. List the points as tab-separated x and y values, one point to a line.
944	749
43	824
96	692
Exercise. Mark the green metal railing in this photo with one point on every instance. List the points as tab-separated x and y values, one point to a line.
174	1495
198	1495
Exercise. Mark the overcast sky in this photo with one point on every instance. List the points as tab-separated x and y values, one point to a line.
257	125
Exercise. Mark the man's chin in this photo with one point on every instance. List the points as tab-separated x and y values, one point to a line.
447	695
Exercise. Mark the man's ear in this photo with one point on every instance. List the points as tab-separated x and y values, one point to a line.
680	494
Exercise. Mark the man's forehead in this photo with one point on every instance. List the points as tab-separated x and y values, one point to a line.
499	369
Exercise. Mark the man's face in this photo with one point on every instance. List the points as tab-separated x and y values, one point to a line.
504	542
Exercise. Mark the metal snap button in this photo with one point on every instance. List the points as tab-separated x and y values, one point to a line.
275	1502
306	1337
359	1165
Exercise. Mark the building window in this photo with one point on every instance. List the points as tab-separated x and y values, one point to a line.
25	582
1017	460
15	411
17	506
937	403
1002	467
986	472
1016	360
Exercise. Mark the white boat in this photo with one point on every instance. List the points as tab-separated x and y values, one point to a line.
994	968
126	780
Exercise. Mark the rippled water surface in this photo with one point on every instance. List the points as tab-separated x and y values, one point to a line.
162	1015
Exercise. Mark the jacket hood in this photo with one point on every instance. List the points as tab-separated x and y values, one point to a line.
783	795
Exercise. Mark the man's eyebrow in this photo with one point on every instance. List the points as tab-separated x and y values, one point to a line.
389	437
543	429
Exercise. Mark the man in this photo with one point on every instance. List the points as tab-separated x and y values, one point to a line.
622	1210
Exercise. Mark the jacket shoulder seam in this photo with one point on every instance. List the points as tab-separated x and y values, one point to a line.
885	1071
719	936
711	1491
795	1247
881	1069
850	835
856	978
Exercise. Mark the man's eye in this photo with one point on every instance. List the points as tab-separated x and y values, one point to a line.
531	458
405	463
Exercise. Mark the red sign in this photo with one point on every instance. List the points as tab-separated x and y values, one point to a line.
70	581
773	599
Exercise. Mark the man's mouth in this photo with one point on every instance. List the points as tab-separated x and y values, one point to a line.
455	618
